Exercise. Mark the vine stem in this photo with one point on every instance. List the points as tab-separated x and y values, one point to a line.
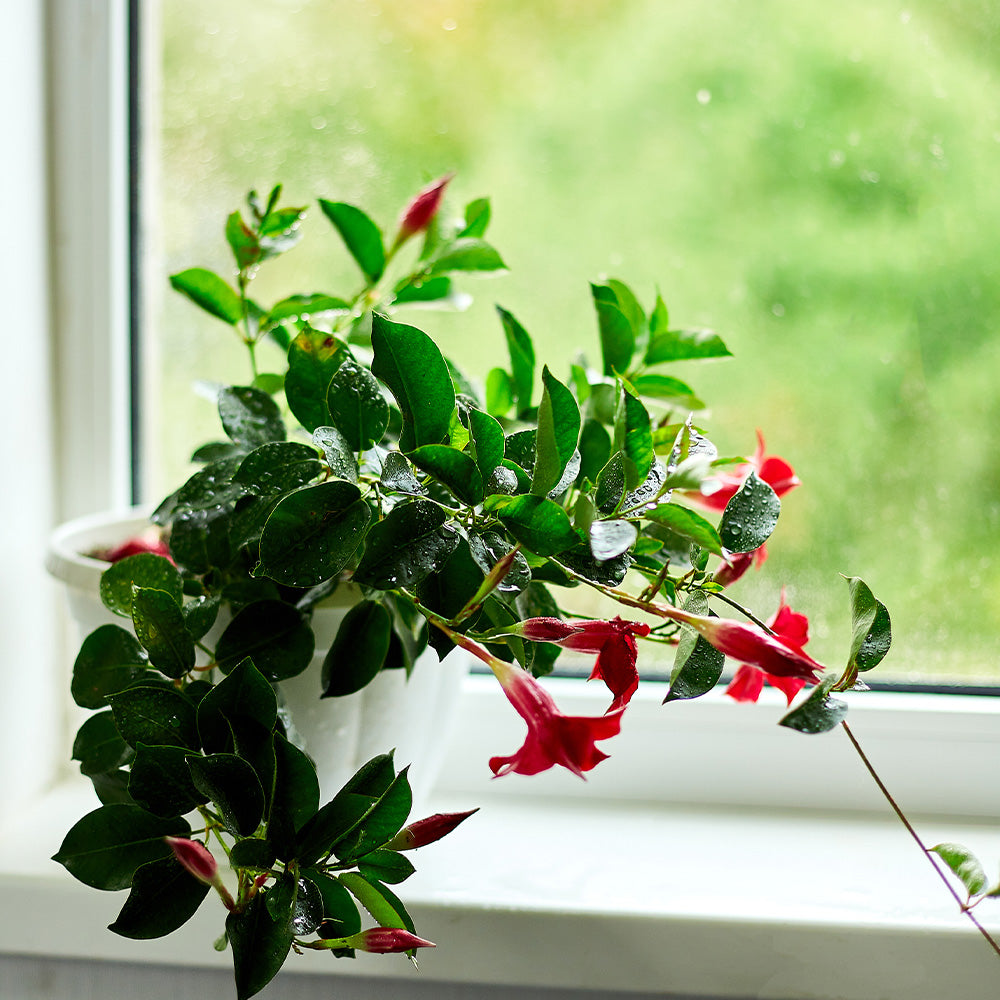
916	837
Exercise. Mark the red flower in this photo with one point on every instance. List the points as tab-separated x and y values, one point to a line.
426	831
750	644
553	738
738	563
148	542
776	472
386	941
790	628
417	216
195	858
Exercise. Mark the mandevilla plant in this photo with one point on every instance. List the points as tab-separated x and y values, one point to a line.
369	461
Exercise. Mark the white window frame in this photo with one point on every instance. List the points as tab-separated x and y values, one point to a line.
63	76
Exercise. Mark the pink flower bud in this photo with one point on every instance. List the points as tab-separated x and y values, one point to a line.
426	831
195	858
421	210
386	940
546	629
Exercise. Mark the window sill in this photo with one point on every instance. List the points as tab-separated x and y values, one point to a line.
610	890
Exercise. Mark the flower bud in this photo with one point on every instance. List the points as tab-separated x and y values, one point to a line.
545	629
386	940
195	858
420	212
426	831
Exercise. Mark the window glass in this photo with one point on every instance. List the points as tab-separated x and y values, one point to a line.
818	184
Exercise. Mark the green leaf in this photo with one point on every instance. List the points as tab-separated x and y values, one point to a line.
697	664
499	392
361	236
304	307
477	217
252	853
204	492
240	710
557	434
313	360
160	781
98	745
750	516
685	345
870	625
206	289
104	848
163	898
250	417
312	534
522	362
109	660
337	452
413	368
357	407
669	389
260	945
119	581
454	469
156	715
278	467
200	615
647	494
385	866
243	242
234	787
487	548
424	290
595	449
412	541
963	864
358	651
687	524
398	477
159	626
633	435
537	522
617	335
609	539
467	253
610	484
581	562
380	823
340	912
383	905
819	713
273	635
486	442
295	799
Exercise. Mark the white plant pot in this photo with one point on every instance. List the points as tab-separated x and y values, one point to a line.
413	716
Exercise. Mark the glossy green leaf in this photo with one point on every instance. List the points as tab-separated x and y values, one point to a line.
522	361
477	217
206	289
870	626
119	581
609	539
413	540
384	906
668	389
156	715
819	713
580	560
200	615
98	745
208	489
360	234
610	484
278	467
243	242
234	788
697	664
389	867
617	335
633	435
439	290
649	492
313	360
557	434
357	407
250	417
159	626
163	898
397	476
273	635
240	710
260	945
685	345
537	522
487	548
104	848
454	469
340	912
109	660
595	449
413	368
499	392
338	453
358	651
486	441
160	782
312	534
296	796
305	307
750	516
380	823
467	253
964	865
686	523
252	853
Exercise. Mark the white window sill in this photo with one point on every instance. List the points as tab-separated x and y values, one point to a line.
619	884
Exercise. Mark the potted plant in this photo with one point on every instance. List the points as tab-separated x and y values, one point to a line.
370	502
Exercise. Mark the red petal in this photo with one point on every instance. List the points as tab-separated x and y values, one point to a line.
747	684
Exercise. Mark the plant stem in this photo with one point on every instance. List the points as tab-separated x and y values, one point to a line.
916	836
